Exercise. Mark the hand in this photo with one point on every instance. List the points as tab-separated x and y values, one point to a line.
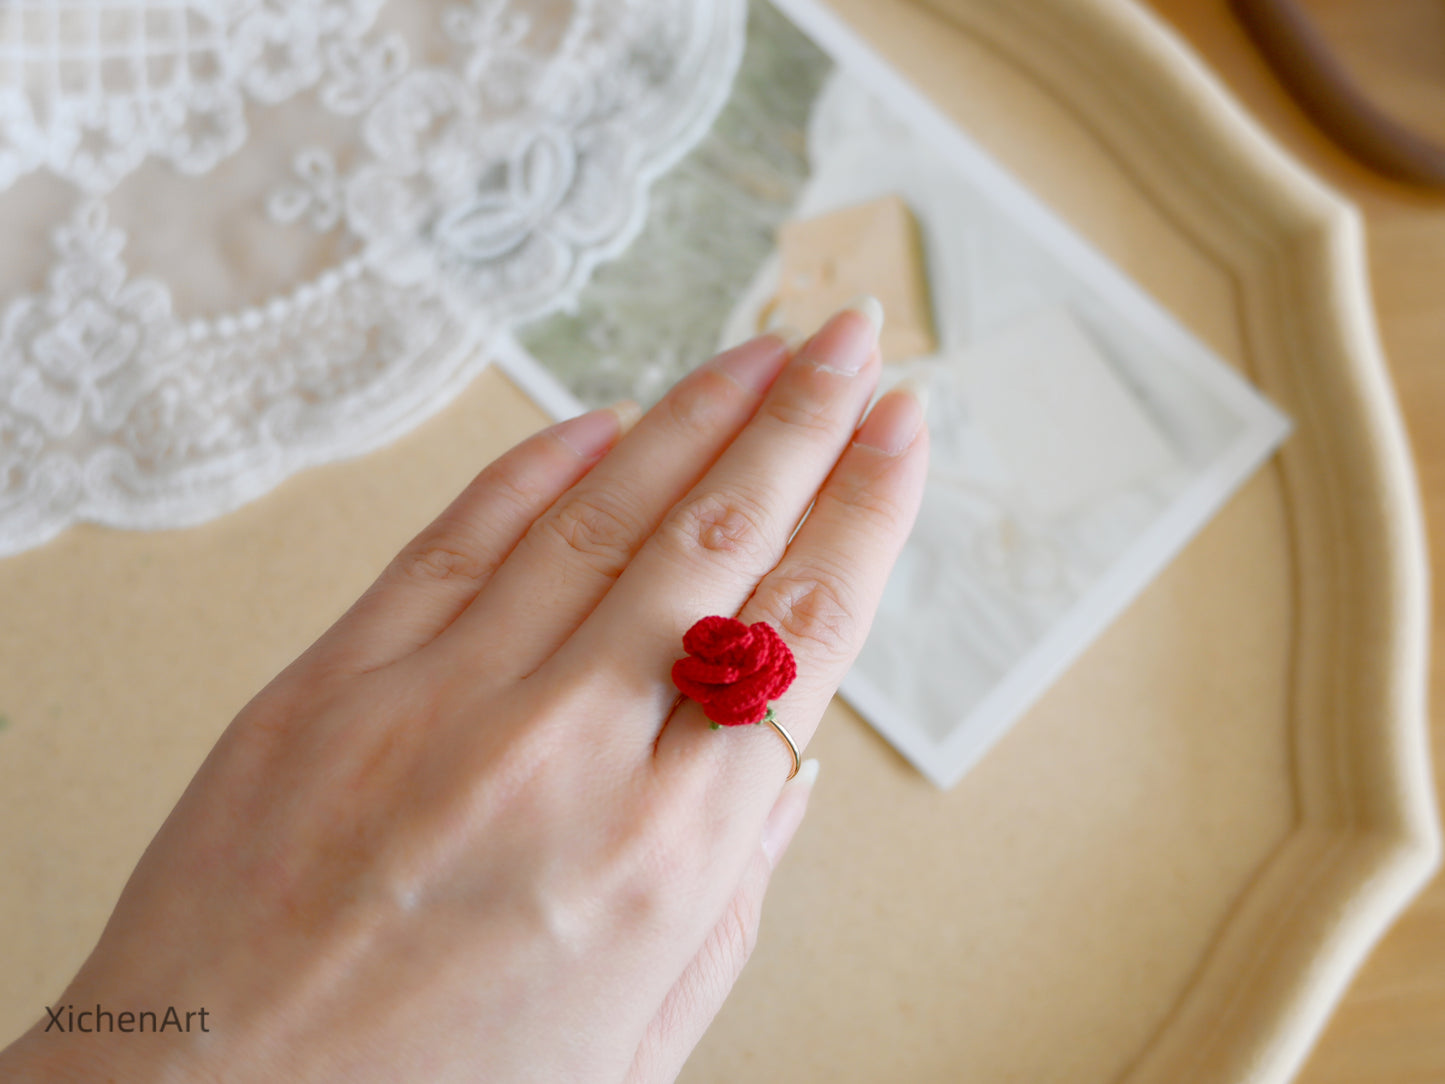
473	832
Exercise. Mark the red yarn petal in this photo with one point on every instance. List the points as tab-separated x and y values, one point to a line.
713	637
702	672
731	709
783	667
746	698
733	669
691	678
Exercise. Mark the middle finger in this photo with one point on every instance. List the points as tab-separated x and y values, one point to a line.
730	530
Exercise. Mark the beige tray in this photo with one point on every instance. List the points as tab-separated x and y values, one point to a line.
1167	872
1172	867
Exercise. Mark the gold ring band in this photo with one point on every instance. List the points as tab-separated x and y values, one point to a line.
772	718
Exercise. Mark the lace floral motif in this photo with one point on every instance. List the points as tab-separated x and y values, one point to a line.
91	90
473	193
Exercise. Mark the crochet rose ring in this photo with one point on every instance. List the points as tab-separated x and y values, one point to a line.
733	670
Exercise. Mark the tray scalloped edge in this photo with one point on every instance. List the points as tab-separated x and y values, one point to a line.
1367	837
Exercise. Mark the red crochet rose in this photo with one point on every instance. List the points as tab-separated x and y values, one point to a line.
733	669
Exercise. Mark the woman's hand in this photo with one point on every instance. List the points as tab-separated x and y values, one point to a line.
473	833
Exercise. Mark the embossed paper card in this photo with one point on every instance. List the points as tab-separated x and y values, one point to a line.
1081	435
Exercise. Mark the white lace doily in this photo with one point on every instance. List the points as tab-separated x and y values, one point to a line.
249	236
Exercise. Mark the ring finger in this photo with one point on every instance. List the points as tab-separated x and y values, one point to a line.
733	527
821	599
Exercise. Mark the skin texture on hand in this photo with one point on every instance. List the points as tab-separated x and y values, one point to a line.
473	832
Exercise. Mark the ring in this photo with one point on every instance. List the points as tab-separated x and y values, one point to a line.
772	717
732	670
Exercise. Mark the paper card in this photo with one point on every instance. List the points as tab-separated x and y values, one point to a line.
1069	431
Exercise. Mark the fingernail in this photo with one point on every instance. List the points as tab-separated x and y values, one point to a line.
778	325
787	812
896	419
754	364
843	347
807	773
870	308
591	434
628	412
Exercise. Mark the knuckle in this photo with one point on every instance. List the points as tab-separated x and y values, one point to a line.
720	523
668	820
597	527
441	559
866	498
815	606
694	404
651	875
803	411
511	486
